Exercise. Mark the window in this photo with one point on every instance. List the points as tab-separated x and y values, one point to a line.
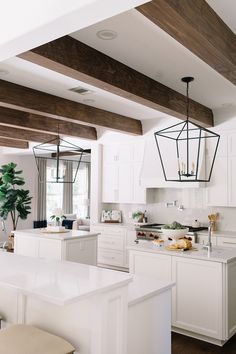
80	190
54	194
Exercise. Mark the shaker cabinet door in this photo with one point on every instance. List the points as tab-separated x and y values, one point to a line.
217	191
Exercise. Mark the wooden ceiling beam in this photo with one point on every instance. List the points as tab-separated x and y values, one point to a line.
22	134
37	102
196	26
77	60
19	119
13	143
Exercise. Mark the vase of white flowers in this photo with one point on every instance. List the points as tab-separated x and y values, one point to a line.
58	216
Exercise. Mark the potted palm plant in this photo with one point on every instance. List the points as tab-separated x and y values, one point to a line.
13	199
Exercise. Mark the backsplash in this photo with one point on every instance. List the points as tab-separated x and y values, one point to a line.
194	207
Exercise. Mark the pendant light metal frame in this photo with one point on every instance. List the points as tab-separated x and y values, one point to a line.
183	131
58	143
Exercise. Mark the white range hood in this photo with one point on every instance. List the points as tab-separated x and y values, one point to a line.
151	175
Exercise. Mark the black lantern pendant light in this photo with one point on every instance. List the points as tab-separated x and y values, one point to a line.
61	159
187	151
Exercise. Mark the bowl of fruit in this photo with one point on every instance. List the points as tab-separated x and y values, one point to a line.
174	231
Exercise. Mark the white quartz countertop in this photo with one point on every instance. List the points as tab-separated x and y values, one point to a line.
69	234
218	254
142	288
57	282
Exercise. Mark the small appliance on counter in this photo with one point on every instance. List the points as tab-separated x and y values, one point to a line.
111	216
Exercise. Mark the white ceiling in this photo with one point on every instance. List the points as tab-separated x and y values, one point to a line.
27	24
149	50
226	9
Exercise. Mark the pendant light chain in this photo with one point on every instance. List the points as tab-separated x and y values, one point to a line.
187	95
187	112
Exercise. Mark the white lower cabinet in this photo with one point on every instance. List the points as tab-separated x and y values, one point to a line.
203	299
130	238
148	264
81	250
197	297
226	241
111	246
110	257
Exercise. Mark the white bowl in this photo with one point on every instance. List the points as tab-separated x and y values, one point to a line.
174	234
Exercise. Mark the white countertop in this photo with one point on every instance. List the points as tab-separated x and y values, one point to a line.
57	282
68	235
142	288
218	254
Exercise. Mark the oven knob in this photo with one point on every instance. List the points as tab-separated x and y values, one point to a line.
139	233
151	235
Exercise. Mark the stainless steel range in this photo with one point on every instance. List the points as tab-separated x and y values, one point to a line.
149	232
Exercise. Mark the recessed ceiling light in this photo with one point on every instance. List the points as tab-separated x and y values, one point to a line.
106	35
3	72
88	100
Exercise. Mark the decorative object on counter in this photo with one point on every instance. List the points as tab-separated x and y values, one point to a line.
55	230
213	218
63	157
111	216
186	141
174	230
58	216
13	200
195	224
138	216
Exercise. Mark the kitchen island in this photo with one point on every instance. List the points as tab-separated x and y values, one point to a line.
97	310
203	299
72	245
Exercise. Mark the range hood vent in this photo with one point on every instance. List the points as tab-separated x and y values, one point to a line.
80	90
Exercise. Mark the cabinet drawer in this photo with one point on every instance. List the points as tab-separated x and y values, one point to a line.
226	242
113	231
111	242
110	257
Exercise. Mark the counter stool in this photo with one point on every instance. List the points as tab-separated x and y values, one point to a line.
25	339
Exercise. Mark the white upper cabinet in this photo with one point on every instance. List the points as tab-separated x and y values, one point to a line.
121	173
221	188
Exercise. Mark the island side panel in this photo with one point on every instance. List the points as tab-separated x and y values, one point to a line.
198	297
231	295
94	324
27	245
149	325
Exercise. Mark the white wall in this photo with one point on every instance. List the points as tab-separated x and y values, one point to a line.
27	164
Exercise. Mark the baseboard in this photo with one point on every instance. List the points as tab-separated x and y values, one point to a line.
211	340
